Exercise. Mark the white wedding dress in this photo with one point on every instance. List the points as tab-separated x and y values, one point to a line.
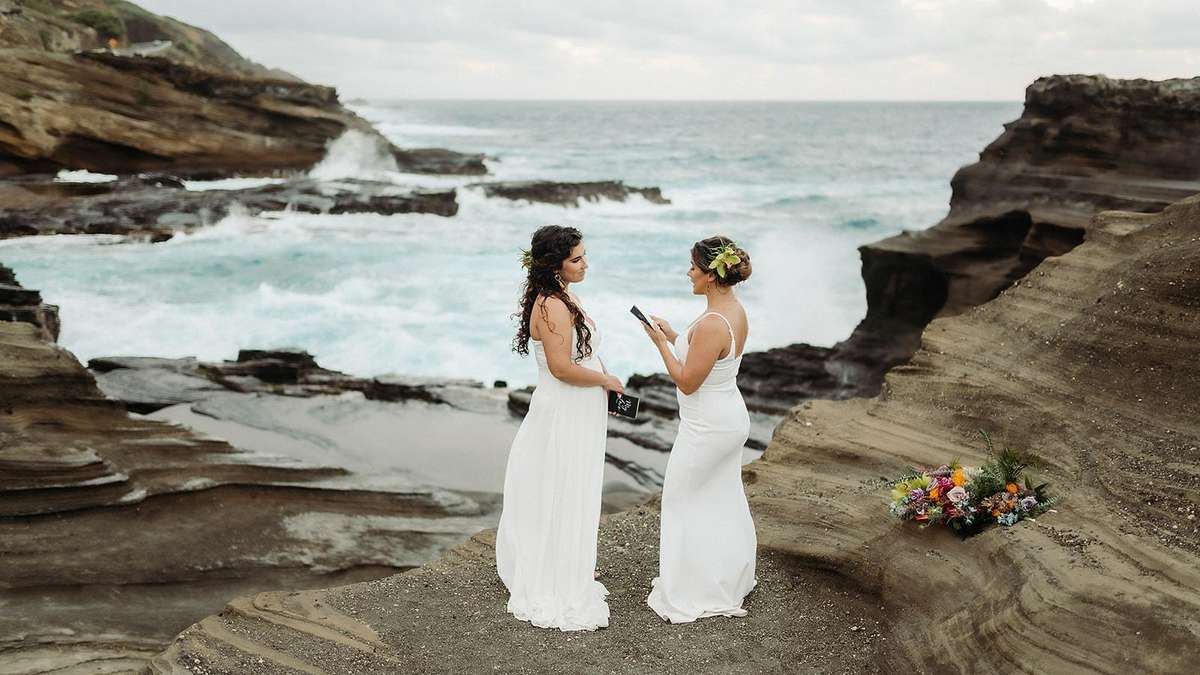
546	541
707	544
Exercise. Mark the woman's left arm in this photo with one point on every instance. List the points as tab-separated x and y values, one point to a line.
704	349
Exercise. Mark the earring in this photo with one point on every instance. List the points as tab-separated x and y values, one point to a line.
558	278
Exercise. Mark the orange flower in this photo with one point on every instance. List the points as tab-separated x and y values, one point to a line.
958	477
1011	488
933	494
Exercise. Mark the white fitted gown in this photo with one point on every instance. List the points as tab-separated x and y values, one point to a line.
707	545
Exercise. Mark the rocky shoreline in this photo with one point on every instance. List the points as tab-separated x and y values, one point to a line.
1031	311
117	531
1073	350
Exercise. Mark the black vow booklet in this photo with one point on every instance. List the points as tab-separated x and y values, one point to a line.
623	405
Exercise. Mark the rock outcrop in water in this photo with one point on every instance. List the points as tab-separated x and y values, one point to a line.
568	194
148	384
156	206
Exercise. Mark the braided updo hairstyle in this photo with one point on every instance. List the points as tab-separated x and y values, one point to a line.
550	246
705	250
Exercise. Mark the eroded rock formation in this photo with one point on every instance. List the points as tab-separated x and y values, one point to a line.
1083	143
18	303
116	532
168	97
1091	362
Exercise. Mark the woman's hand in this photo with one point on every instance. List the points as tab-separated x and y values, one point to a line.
611	383
656	334
665	328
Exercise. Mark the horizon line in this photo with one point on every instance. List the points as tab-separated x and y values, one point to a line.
419	99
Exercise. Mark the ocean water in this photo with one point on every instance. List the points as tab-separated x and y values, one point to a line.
799	185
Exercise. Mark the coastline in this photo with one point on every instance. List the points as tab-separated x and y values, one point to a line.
302	519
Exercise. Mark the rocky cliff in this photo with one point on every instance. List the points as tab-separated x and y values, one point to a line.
1083	143
117	114
1091	362
190	106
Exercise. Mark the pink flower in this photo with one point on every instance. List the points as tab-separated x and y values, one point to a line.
957	494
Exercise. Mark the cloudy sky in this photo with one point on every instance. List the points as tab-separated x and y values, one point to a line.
703	49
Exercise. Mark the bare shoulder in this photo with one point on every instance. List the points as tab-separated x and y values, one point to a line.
553	305
709	325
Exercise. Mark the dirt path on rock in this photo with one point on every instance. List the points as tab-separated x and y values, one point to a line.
449	617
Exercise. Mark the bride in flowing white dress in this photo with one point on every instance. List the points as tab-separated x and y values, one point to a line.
707	545
546	541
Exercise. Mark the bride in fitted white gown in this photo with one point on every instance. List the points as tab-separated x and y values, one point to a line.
546	541
707	545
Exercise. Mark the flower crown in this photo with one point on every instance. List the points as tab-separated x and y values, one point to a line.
724	258
526	258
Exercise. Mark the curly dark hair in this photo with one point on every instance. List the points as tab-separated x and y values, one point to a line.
705	250
549	247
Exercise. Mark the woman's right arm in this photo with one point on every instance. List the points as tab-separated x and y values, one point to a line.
555	328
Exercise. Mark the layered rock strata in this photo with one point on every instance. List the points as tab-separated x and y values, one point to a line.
18	303
110	113
1083	143
116	532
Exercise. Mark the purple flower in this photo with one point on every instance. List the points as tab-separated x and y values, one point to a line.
1028	503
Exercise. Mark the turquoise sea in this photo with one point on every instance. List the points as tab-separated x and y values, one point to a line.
798	185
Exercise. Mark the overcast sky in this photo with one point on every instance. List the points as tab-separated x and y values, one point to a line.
703	49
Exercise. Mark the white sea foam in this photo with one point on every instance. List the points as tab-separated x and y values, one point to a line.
83	176
355	154
240	183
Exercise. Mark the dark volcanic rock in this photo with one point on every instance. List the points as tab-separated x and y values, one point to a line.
147	384
440	161
568	194
154	206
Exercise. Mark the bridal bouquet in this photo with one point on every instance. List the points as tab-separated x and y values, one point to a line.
968	499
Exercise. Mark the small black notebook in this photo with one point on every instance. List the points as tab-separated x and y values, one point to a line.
623	405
